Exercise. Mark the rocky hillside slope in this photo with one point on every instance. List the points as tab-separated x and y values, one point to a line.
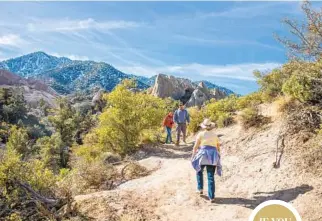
32	89
248	179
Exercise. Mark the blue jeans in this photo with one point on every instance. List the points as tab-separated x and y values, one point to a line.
211	180
169	138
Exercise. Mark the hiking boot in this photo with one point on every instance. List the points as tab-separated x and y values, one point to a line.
211	200
200	192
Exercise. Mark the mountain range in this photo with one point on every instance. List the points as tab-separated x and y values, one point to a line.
66	76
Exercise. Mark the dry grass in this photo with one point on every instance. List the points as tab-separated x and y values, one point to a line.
311	156
117	206
286	104
133	170
138	208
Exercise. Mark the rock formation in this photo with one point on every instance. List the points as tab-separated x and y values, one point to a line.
170	86
33	90
200	95
184	90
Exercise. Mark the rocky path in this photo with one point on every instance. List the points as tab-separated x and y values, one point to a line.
248	179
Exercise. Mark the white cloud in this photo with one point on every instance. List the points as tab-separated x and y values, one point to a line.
10	40
200	71
254	9
71	56
211	42
67	25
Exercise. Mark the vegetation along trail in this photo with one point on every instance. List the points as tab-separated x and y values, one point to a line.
249	178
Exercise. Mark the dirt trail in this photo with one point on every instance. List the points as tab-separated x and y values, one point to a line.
248	179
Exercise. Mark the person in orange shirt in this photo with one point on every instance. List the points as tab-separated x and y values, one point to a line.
168	124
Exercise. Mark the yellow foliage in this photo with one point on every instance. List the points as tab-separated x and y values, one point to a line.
127	118
222	111
33	173
196	118
249	100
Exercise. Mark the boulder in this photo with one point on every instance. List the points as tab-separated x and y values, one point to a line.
97	98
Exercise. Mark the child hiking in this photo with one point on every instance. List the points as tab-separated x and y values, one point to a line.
206	153
168	124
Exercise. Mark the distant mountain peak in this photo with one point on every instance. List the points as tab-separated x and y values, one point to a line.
34	63
67	76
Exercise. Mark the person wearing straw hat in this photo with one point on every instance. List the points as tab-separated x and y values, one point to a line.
206	153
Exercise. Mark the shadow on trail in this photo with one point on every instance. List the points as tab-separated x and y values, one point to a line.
183	148
286	195
167	151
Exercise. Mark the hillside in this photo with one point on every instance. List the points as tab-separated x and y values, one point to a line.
248	179
68	76
84	76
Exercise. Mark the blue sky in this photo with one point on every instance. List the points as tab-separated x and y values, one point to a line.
222	42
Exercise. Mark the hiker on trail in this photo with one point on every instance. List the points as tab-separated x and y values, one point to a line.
168	124
181	118
206	153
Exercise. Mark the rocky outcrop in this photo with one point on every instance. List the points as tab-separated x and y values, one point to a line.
97	101
33	90
218	94
170	86
199	96
8	78
185	91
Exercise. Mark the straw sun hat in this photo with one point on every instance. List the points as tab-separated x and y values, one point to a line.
207	124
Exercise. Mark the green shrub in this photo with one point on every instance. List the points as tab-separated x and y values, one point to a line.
251	118
299	87
14	170
224	120
222	111
4	131
127	115
18	141
90	152
250	100
13	217
51	150
299	79
65	121
272	83
152	136
13	106
196	118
